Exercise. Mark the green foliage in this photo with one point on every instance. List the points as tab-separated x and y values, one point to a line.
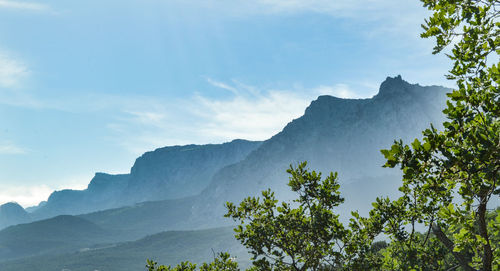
451	176
223	262
280	236
303	235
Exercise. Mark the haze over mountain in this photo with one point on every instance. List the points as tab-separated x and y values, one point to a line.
185	187
172	247
60	234
165	173
343	135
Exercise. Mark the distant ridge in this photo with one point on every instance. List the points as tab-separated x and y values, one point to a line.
60	234
12	213
165	173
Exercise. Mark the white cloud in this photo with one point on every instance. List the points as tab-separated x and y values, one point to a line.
248	117
12	71
257	115
340	91
31	195
32	6
24	195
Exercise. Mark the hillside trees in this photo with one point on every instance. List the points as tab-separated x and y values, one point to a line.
451	178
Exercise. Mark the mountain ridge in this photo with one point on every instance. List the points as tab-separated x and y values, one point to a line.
165	173
334	134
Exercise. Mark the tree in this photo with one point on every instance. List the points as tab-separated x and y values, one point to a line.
451	177
303	235
223	262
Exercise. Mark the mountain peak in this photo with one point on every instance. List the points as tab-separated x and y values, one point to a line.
12	213
393	85
11	206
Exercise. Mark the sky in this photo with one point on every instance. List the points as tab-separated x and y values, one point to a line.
88	86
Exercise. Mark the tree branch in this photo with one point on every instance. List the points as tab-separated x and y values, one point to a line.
460	257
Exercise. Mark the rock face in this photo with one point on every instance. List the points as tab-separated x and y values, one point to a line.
12	213
182	171
165	173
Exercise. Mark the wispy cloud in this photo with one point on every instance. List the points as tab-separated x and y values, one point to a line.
248	112
257	114
12	71
10	148
340	91
31	6
221	85
142	123
254	118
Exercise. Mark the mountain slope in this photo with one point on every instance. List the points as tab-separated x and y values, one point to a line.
141	219
60	234
167	248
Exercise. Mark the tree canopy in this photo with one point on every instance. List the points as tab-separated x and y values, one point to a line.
452	176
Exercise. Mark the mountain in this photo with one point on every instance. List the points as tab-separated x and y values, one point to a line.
182	171
167	248
334	134
103	192
12	213
141	219
60	234
165	173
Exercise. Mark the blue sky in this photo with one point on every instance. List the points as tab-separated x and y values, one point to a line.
88	86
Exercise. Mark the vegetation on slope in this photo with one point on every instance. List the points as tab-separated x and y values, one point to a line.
171	247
